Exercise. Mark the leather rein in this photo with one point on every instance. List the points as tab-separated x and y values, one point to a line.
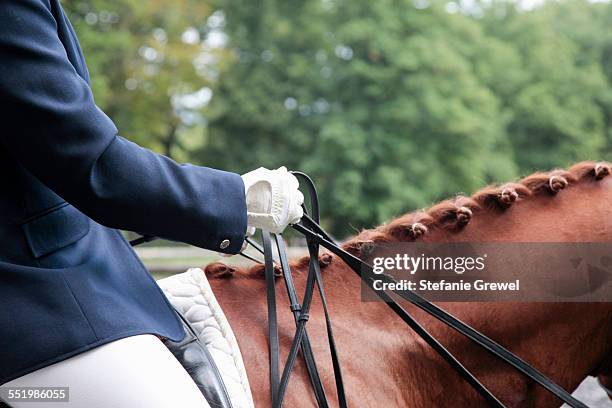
316	237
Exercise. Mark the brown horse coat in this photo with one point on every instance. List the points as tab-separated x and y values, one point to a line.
386	365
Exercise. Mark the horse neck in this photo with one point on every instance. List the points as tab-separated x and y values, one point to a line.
566	341
386	364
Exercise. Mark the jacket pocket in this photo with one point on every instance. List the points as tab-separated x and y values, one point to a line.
54	230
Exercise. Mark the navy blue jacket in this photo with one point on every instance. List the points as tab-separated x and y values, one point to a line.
68	279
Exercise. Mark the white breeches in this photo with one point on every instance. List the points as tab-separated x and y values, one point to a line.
136	371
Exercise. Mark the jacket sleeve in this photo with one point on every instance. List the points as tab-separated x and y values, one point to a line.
52	126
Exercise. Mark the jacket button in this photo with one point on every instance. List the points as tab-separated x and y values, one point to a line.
224	244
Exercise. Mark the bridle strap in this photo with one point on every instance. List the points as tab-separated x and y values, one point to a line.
313	252
301	316
273	343
300	331
328	325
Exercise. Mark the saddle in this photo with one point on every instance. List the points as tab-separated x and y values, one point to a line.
209	352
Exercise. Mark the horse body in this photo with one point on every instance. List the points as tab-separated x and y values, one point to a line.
385	364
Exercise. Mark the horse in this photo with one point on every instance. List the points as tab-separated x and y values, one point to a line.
384	363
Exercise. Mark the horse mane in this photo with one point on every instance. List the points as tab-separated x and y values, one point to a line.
451	215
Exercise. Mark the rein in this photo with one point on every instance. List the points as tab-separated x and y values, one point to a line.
317	237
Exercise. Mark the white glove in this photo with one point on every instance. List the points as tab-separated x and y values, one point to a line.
273	199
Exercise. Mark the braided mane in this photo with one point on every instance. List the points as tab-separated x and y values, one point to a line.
451	214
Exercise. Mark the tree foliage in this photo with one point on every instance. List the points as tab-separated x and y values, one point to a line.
145	62
389	105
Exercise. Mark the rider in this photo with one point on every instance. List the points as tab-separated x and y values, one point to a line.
77	308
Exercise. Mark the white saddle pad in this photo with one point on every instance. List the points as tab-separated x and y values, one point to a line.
191	294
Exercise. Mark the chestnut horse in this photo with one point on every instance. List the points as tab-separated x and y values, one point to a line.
385	364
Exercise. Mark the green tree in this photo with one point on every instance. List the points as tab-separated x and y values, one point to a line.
377	100
145	63
556	91
390	105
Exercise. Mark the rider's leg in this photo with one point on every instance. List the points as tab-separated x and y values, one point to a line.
136	371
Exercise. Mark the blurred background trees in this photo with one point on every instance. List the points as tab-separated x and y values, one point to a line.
389	105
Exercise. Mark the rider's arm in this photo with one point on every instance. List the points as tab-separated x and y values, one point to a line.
51	125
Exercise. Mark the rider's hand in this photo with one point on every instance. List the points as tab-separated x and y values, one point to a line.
273	199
